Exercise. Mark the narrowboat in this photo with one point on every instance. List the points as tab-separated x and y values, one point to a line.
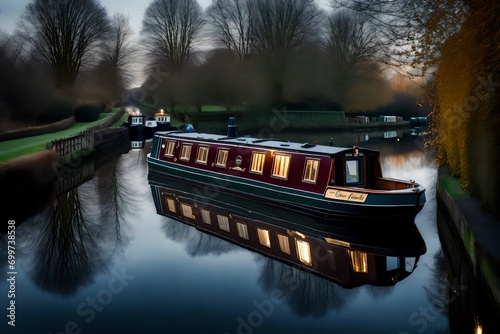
334	182
345	254
140	126
151	127
135	123
163	121
418	121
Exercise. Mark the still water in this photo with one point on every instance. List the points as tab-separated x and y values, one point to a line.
105	258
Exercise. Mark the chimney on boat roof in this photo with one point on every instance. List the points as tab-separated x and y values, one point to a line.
232	127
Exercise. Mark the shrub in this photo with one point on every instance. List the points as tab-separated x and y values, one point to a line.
56	110
89	112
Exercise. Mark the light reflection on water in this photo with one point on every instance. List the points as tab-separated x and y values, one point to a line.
71	256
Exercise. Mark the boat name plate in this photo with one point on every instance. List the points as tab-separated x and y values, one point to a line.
346	195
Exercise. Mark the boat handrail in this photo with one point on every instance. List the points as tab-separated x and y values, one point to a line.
268	139
228	138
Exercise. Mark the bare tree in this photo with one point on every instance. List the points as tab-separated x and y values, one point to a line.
24	89
351	48
66	34
169	30
13	47
119	50
413	30
232	22
350	40
280	30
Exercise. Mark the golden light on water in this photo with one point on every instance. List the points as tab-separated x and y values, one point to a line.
478	329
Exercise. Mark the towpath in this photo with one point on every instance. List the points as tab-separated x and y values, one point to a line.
13	148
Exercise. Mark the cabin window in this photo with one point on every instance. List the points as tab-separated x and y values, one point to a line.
187	211
311	171
332	264
223	222
359	261
264	238
284	243
352	172
392	263
202	156
304	252
221	158
171	205
258	160
205	216
281	165
169	149
136	120
185	152
242	230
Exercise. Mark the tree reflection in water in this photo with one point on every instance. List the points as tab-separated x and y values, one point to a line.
83	229
196	243
66	254
438	287
118	201
306	294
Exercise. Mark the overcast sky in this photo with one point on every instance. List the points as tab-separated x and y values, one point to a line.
10	10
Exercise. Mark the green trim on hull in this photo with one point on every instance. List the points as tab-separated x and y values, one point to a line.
375	207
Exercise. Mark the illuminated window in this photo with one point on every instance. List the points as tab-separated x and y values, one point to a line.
169	150
359	261
171	205
221	158
311	170
264	237
351	171
223	223
205	216
284	243
258	160
202	156
185	152
242	230
281	165
304	252
187	210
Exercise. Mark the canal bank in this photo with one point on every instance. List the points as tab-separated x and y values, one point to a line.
478	230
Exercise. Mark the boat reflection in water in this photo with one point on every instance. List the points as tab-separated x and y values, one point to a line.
349	255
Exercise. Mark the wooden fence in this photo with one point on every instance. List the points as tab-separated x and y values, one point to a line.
69	145
75	177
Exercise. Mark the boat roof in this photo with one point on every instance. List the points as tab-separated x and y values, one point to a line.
271	143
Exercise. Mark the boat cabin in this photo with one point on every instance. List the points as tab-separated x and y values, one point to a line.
305	166
162	117
345	183
136	120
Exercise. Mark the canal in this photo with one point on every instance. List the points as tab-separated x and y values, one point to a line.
102	258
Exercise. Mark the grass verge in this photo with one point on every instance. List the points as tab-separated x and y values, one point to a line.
11	149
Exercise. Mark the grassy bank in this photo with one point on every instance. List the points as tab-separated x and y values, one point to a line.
18	147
